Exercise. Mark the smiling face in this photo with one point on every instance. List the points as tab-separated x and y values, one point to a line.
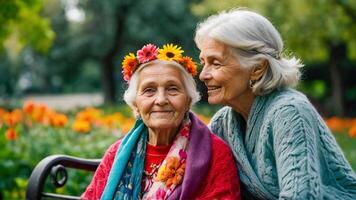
161	98
227	82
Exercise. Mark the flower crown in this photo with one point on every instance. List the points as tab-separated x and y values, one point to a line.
151	52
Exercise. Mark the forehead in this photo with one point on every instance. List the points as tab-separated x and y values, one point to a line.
210	47
160	74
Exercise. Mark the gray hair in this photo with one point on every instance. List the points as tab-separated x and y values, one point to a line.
253	38
188	82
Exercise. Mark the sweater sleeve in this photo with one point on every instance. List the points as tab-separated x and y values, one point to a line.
97	184
295	147
222	181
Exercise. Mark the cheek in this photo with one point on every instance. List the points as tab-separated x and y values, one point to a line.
142	105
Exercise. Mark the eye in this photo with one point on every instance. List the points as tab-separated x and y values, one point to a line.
216	63
173	89
148	91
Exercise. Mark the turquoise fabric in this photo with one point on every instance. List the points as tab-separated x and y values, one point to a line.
124	181
286	150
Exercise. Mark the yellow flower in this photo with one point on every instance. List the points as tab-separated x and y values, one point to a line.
81	126
170	52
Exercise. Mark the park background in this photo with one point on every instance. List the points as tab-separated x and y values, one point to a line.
60	71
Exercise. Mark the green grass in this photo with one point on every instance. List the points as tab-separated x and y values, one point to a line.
348	146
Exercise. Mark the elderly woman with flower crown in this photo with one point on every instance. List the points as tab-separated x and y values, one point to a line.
169	153
282	147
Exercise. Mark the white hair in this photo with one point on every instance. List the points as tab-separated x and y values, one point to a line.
188	82
253	39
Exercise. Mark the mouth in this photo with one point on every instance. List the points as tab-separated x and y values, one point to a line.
212	88
161	114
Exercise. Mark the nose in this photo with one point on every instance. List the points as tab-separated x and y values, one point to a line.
161	98
205	74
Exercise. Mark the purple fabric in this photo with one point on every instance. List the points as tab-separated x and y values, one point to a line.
198	158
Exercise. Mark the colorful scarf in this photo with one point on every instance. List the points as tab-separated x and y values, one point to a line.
189	163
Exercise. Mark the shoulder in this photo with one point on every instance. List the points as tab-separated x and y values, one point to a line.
219	147
221	114
221	155
222	181
291	103
97	185
113	148
219	121
110	154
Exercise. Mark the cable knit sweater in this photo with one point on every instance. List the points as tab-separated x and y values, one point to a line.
286	151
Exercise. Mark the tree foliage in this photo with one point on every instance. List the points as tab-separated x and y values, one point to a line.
22	25
309	27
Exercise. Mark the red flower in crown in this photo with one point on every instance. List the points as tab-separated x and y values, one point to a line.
147	53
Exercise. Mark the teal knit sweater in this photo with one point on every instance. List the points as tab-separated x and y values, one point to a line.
286	151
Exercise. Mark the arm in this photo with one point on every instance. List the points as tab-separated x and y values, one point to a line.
296	152
222	181
97	184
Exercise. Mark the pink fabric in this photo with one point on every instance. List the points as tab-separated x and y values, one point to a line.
222	181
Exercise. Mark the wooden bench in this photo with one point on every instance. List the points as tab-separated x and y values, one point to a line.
55	167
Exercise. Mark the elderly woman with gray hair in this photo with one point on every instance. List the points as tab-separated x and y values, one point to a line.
169	153
281	145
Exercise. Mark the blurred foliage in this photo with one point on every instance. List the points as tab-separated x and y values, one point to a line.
308	27
82	44
22	24
315	89
19	157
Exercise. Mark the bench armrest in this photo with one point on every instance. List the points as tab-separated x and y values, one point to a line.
54	166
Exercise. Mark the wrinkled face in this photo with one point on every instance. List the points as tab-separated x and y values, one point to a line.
161	98
222	74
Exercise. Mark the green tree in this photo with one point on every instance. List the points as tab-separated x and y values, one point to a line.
22	25
116	27
318	31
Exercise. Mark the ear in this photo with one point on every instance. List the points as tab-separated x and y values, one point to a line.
135	109
258	71
189	101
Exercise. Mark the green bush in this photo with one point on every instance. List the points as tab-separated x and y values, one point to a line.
19	157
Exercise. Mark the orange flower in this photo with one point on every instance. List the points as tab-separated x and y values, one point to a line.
11	134
189	64
13	117
352	131
127	125
29	107
129	65
81	126
335	124
89	115
17	115
172	172
58	120
3	113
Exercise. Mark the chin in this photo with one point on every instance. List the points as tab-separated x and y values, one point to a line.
214	101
